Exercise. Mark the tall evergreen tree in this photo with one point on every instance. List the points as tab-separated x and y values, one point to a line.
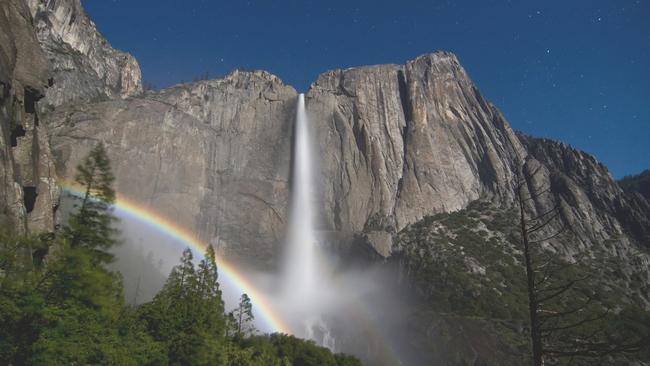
187	314
91	226
83	249
69	308
241	319
209	294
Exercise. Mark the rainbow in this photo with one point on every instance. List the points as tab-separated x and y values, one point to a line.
262	307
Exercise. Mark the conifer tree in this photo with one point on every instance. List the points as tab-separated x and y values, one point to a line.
91	226
172	304
83	249
569	320
241	318
209	294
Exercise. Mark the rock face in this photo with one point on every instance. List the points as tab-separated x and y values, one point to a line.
28	190
593	204
401	142
212	156
84	66
395	143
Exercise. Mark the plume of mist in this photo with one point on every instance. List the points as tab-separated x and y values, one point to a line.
352	309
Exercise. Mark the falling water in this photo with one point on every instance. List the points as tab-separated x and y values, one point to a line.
303	290
302	244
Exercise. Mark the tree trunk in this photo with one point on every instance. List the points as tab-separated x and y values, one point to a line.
535	333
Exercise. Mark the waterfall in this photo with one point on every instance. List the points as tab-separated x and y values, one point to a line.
301	264
303	283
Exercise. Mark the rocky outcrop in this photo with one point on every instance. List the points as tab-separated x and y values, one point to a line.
401	142
398	143
593	204
212	156
395	143
28	190
84	66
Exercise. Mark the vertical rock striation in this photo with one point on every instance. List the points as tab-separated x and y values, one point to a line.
84	66
401	142
28	190
214	156
593	203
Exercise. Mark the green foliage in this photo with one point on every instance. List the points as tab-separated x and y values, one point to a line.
81	335
468	265
188	317
187	314
68	308
460	265
91	227
281	349
240	320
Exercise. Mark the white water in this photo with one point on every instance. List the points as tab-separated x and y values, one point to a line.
301	256
304	288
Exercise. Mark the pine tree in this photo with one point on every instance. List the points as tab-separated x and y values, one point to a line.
72	308
83	247
241	318
173	304
91	226
187	314
569	320
211	305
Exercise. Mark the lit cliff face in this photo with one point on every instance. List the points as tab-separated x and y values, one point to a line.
213	156
83	64
394	143
408	141
28	192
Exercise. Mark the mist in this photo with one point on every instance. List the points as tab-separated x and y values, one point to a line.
357	309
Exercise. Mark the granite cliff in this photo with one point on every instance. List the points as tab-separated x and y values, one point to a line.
214	155
28	189
397	145
50	54
83	65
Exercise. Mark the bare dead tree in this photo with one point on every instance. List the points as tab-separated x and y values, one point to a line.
565	314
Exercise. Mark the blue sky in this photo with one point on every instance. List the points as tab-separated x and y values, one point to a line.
577	71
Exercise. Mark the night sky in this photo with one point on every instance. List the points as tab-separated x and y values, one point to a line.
577	71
